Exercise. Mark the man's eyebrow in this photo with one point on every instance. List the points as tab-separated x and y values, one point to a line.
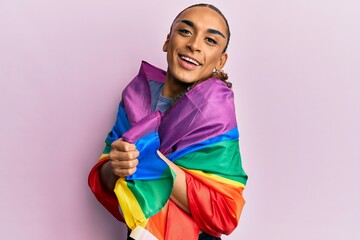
213	31
187	22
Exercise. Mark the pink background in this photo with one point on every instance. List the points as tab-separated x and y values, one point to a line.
295	66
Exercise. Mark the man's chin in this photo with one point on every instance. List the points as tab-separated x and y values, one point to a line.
184	78
186	81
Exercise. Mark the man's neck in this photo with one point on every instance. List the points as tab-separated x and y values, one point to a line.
173	87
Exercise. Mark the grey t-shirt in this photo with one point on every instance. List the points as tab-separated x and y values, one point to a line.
158	101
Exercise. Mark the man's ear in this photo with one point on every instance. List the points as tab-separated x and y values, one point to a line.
222	60
166	43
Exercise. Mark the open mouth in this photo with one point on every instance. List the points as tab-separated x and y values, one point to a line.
189	60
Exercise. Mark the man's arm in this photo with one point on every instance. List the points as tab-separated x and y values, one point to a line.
107	177
213	211
179	193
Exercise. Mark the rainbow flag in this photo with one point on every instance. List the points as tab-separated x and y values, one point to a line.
198	133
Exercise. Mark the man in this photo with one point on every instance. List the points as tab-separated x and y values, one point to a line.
203	200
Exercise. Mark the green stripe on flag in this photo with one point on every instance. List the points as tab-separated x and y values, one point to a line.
222	159
152	195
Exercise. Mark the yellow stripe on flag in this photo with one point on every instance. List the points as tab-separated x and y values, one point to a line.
216	178
130	207
103	157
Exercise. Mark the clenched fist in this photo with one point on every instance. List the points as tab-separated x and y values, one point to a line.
123	158
122	162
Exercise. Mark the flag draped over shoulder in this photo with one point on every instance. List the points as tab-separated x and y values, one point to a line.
198	133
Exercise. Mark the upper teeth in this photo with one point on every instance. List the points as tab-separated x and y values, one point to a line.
190	60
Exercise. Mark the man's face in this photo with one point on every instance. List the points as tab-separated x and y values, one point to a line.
195	45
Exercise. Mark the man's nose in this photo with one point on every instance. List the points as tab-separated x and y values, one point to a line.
194	44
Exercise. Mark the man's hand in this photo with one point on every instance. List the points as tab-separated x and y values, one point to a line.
123	158
123	161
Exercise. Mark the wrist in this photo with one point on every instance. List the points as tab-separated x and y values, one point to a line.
107	177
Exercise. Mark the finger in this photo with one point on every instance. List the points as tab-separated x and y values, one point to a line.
123	146
123	156
124	164
124	172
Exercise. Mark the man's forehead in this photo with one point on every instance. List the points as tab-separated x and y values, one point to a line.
199	11
204	16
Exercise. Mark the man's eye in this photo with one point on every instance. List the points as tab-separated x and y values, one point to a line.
184	31
210	40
